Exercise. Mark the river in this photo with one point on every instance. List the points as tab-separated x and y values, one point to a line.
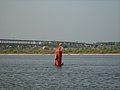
79	72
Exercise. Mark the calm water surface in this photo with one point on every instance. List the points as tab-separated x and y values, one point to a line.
78	73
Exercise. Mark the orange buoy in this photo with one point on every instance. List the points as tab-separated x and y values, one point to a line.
58	56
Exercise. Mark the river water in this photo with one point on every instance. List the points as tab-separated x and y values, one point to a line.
79	72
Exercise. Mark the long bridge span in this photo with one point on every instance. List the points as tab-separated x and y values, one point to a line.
21	44
14	43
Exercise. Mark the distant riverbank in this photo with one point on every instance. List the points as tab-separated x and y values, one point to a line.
63	54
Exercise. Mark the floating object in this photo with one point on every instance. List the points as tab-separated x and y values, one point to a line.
58	60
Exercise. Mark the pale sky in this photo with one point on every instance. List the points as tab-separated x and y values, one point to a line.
64	20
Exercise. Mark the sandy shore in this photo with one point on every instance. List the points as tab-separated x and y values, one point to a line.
63	54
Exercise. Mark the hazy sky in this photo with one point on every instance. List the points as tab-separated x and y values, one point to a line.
66	20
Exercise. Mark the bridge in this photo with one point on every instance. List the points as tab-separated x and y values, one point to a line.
10	44
13	43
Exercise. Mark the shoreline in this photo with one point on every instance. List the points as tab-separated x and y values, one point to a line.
63	54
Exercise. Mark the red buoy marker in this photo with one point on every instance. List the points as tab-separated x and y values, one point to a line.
58	55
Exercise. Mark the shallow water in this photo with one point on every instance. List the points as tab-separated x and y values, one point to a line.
77	73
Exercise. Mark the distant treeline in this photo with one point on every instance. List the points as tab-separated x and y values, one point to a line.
69	51
68	48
